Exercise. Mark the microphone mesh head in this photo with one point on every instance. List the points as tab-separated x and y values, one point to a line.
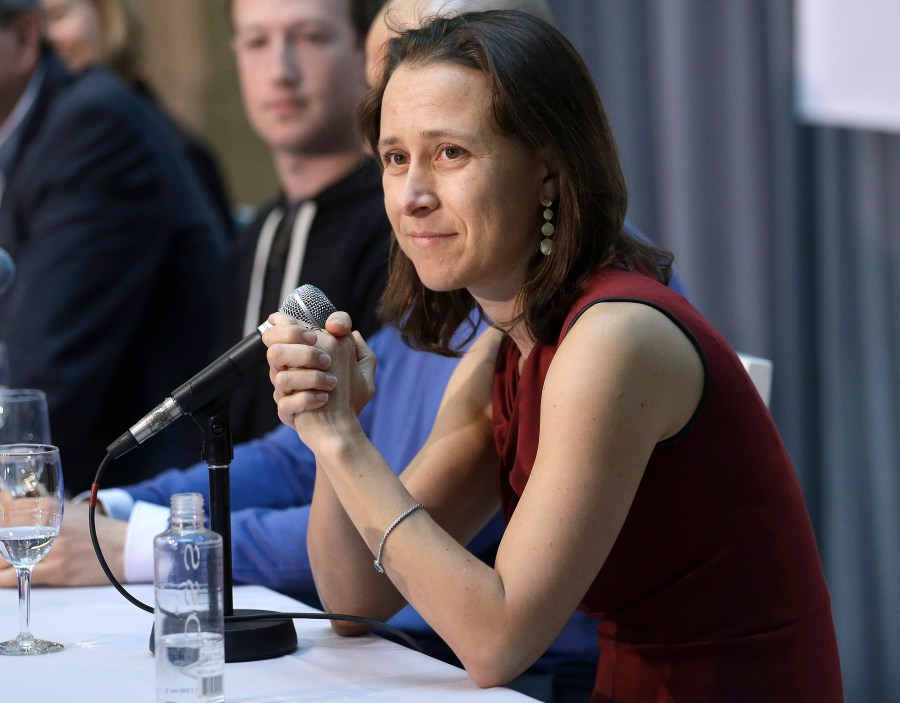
308	305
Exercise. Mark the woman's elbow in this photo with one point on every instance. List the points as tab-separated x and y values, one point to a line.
348	628
494	668
490	674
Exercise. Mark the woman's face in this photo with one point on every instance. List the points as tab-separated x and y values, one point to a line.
463	200
75	30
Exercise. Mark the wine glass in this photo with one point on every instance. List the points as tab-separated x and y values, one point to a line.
23	416
31	511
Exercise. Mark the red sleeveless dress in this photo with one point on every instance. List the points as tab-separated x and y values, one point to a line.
713	590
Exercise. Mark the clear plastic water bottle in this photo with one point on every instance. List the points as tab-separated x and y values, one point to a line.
189	633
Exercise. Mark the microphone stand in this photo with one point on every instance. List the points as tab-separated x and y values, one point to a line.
250	640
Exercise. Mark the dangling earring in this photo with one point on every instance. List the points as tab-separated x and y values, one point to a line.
547	228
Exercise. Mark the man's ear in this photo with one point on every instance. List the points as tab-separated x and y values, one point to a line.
29	34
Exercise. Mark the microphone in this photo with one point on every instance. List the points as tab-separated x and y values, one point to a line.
306	304
7	271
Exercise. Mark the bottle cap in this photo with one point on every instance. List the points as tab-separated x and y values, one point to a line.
187	507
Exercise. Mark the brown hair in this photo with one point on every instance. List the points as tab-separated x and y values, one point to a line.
544	96
362	13
124	37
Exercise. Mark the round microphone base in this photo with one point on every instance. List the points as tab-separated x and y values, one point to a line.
254	640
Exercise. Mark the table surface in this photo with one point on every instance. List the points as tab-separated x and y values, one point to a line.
106	657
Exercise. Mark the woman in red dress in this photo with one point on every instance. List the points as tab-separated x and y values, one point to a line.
641	476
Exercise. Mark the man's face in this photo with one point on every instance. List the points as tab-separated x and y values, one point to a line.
19	51
75	28
302	72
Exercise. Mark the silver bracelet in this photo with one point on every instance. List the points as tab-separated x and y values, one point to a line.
400	518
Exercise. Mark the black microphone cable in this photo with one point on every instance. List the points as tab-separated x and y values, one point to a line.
92	527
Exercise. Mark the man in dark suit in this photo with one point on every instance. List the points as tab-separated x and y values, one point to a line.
119	253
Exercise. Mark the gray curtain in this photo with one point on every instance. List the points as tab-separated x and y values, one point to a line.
788	238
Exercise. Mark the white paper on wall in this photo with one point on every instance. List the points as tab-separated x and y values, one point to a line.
848	63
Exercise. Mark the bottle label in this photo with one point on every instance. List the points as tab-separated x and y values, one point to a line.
190	654
192	667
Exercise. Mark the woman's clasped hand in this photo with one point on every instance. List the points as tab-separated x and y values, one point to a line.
304	366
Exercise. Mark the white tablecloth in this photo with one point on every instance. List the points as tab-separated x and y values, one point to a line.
106	659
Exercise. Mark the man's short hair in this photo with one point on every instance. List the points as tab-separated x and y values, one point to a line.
362	13
11	8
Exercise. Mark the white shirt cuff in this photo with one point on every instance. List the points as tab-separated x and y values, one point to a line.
147	520
116	502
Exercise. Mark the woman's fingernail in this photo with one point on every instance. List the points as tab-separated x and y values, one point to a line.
324	361
331	379
322	397
309	337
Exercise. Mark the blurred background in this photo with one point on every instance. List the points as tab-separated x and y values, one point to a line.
780	201
192	70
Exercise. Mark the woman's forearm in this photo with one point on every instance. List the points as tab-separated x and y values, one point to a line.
341	562
461	597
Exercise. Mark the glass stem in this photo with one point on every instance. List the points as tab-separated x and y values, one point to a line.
24	604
